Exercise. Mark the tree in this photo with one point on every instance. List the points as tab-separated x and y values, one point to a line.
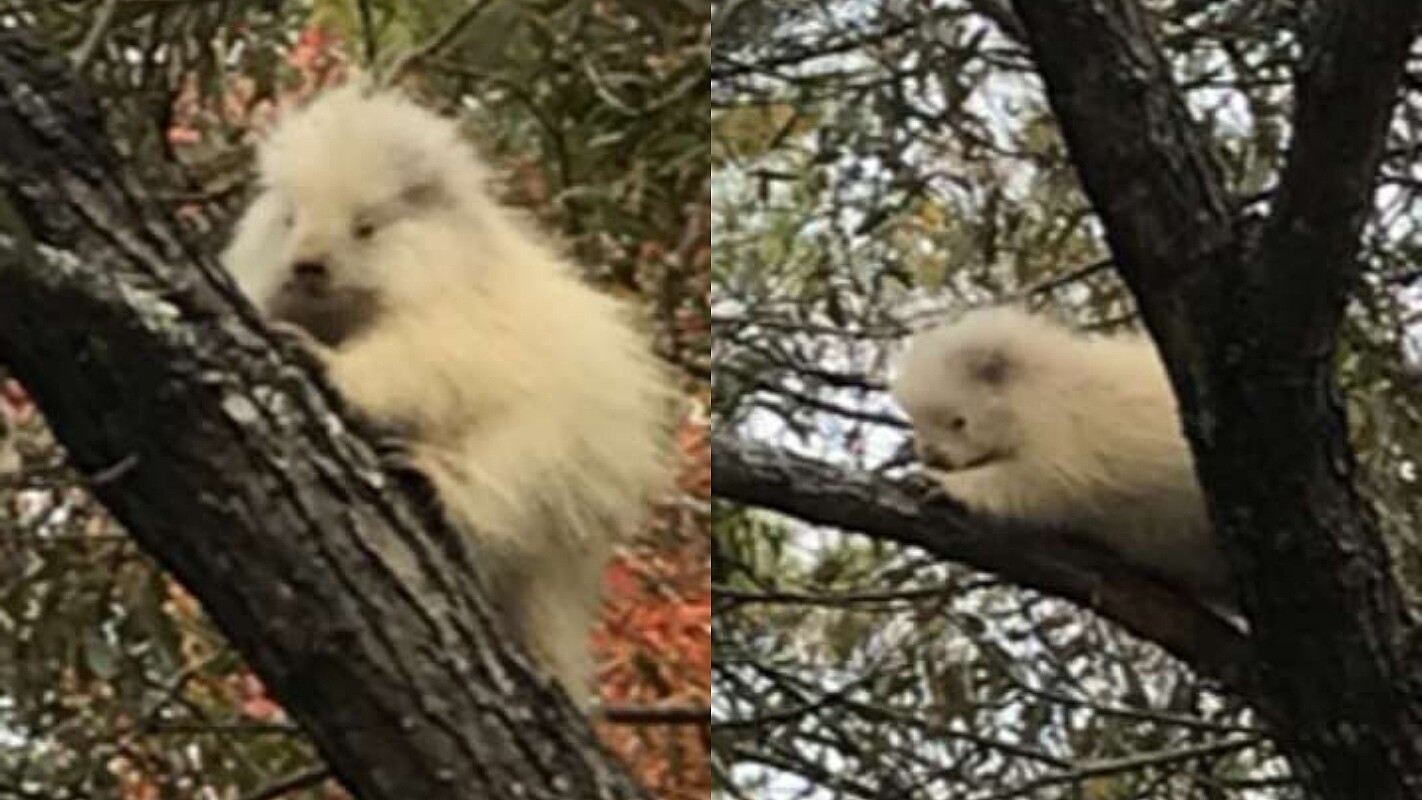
1228	156
117	686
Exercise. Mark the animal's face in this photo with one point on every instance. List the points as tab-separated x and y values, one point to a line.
960	405
965	427
338	256
367	203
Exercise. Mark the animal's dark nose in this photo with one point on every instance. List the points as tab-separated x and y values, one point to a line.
308	270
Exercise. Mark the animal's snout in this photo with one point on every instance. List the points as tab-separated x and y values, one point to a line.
310	271
932	457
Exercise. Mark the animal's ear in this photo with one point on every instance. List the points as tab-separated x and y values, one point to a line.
427	192
991	366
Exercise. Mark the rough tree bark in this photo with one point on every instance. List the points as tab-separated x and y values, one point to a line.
1248	327
234	469
1055	561
1247	317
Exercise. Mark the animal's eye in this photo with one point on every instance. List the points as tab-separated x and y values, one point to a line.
289	219
363	229
958	422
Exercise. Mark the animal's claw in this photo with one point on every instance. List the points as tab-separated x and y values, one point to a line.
393	450
297	335
926	489
390	440
307	346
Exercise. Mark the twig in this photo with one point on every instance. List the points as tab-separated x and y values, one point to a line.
841	599
115	471
1055	282
435	44
1127	764
223	729
292	783
367	29
657	715
87	49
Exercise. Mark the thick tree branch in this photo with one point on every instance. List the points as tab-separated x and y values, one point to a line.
1141	160
1344	94
1280	467
1249	334
240	475
1047	560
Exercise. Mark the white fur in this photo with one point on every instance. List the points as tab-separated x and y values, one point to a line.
1063	428
533	405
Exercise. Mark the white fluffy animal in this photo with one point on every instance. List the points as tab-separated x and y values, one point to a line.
1021	418
530	403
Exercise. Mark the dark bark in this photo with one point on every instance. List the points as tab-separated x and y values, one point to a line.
1050	560
1249	331
229	465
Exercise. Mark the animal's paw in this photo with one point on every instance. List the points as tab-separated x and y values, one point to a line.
927	490
391	440
295	334
301	340
401	465
394	452
959	492
394	448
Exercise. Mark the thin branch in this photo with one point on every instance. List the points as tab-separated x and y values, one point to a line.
894	597
657	715
291	784
367	31
87	49
224	729
726	68
1137	714
436	43
884	713
1113	766
1053	282
808	400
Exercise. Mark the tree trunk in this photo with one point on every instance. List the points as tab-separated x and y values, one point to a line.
1248	330
235	469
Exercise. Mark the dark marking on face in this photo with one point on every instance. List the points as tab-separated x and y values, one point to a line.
333	316
991	367
934	458
425	194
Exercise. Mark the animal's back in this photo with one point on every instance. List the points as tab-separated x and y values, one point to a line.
1152	509
1126	456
